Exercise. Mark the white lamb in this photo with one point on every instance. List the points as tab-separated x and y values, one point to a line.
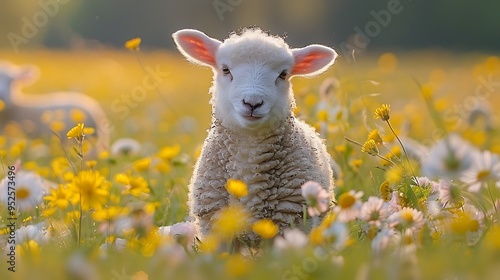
254	136
35	112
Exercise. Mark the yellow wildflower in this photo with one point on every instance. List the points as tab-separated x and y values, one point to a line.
210	244
370	147
394	174
463	224
90	189
133	44
310	100
72	217
91	163
169	152
163	167
237	188
322	116
77	115
341	148
388	62
30	165
58	197
375	136
104	155
135	186
30	248
48	212
237	266
356	163
383	112
57	126
385	190
109	213
76	132
492	239
2	105
316	235
265	228
427	91
60	165
231	221
142	164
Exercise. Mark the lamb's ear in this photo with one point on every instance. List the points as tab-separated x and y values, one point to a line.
312	60
196	46
26	73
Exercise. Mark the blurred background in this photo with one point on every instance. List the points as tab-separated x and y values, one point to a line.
78	45
451	24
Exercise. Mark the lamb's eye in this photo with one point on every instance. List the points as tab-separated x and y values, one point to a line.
283	75
225	70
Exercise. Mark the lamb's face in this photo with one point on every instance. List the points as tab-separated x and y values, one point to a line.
5	83
251	74
251	84
10	74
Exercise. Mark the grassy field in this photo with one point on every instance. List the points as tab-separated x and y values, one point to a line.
448	230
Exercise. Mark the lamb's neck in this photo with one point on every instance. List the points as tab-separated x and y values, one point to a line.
257	141
250	157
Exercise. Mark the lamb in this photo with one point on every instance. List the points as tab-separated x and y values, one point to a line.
254	135
33	112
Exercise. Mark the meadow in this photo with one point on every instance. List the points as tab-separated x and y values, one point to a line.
388	222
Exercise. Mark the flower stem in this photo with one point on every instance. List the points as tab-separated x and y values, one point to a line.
404	150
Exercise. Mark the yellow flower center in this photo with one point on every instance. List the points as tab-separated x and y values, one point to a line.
407	216
483	174
473	225
346	200
22	193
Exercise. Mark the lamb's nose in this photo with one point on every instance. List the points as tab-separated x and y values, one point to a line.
252	106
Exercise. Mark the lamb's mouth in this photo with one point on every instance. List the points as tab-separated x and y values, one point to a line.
252	118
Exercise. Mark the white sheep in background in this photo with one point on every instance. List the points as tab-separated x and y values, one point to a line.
254	136
32	112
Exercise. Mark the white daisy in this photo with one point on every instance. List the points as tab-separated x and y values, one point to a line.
374	210
387	237
29	189
316	197
449	158
183	232
37	232
348	206
407	218
291	239
449	193
125	146
476	224
338	233
485	169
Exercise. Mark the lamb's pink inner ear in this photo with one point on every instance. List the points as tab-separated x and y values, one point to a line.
312	60
27	73
197	47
